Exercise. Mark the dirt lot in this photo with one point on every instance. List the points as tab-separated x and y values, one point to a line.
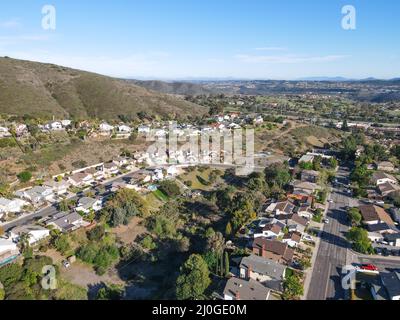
128	234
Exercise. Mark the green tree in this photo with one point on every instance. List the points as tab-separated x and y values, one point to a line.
361	242
277	174
292	288
110	292
194	279
97	233
62	244
354	216
226	264
170	188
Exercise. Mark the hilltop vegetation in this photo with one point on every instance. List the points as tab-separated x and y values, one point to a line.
46	90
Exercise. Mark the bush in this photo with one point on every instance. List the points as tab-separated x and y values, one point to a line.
148	243
24	176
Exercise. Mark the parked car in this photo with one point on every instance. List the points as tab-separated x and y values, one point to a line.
66	264
369	267
326	220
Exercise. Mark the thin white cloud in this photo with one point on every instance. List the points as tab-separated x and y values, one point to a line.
271	49
18	39
286	59
11	24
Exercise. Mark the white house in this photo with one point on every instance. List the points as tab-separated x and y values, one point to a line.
144	129
35	233
124	129
4	132
105	127
21	129
81	179
58	187
66	123
382	177
172	171
36	194
8	250
110	169
270	231
54	126
66	222
11	206
87	204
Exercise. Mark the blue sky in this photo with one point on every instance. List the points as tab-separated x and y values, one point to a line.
174	39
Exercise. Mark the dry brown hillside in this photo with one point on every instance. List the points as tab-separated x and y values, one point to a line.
45	90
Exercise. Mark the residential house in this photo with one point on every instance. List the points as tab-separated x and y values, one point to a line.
393	239
387	189
310	176
59	187
395	214
11	206
270	231
67	222
372	214
4	132
124	129
110	169
258	120
36	195
294	222
106	128
241	289
8	251
385	166
54	126
380	177
35	233
120	161
97	172
305	211
304	188
21	129
284	207
87	204
266	271
292	239
381	228
388	288
375	236
307	158
81	179
66	123
143	129
273	249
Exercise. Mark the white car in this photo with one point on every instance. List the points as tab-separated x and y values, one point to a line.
66	264
330	201
326	220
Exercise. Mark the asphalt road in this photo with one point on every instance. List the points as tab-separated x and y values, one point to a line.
52	210
326	278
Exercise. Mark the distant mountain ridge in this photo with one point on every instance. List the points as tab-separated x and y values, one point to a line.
47	90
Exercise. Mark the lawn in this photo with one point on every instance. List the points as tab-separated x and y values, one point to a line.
161	195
